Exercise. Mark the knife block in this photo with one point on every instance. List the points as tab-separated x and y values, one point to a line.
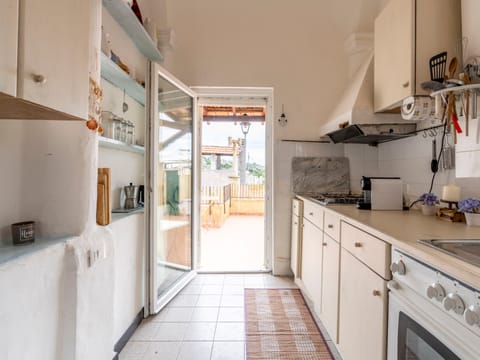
104	203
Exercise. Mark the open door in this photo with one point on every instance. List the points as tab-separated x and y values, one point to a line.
172	175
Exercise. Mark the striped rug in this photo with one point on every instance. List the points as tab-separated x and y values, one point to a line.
279	326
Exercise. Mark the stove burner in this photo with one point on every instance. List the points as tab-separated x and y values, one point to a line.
329	199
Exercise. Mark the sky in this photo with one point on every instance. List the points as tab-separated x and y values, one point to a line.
217	133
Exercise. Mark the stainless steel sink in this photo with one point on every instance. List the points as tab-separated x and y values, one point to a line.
467	250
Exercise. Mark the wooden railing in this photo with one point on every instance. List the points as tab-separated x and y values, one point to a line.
248	191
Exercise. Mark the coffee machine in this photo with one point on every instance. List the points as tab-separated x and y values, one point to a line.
381	193
131	196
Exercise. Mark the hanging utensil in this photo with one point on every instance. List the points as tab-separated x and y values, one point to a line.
452	68
438	64
124	105
434	162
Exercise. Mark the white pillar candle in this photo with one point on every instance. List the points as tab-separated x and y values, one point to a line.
451	193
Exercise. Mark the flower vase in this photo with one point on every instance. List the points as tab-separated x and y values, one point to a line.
473	219
428	210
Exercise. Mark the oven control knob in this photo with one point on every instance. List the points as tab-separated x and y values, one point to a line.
436	291
472	315
398	267
455	303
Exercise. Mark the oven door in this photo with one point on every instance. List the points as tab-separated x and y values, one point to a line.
418	330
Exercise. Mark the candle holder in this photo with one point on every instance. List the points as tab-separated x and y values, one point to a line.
450	204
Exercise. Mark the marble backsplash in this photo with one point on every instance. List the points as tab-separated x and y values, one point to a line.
320	175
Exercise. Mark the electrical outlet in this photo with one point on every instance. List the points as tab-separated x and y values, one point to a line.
93	255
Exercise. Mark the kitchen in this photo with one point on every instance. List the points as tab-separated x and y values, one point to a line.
302	77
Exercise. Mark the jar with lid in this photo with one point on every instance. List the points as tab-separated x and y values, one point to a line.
108	124
130	133
117	126
123	130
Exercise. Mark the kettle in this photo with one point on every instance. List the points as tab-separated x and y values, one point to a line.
131	194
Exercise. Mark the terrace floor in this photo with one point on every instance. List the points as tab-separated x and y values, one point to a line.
236	246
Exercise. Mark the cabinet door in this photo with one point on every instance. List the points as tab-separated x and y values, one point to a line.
294	251
53	53
330	280
312	240
8	40
394	54
363	311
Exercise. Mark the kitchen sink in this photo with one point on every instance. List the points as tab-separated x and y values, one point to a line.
467	250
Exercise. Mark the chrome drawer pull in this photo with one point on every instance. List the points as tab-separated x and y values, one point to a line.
358	244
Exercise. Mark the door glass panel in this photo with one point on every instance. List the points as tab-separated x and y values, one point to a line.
174	222
417	343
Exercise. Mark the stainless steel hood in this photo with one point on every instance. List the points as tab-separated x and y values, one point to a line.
353	120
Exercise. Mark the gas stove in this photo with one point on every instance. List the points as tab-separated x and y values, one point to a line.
334	199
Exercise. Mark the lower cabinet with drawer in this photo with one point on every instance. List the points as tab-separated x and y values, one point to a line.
312	252
362	327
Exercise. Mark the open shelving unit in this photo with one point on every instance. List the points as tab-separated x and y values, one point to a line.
119	145
122	13
113	74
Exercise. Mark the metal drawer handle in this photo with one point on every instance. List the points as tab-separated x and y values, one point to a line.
311	214
295	223
376	293
324	244
406	84
358	244
330	226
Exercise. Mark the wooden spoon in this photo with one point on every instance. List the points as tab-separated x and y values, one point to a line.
452	68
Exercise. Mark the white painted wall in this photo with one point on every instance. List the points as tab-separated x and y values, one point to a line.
295	48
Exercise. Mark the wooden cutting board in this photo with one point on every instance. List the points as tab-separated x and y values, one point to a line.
104	203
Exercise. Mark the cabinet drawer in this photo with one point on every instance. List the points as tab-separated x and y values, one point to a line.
372	251
297	207
314	213
332	225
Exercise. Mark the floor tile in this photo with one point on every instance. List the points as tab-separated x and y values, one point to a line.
209	300
160	316
234	280
231	314
230	331
205	314
200	331
184	301
212	290
195	350
162	350
146	331
228	350
134	349
178	314
232	300
233	289
214	279
192	290
170	332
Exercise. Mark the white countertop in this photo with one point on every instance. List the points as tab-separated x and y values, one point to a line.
402	229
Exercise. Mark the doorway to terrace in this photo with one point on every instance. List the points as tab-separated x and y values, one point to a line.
233	174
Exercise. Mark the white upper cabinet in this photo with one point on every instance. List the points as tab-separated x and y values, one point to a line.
407	34
8	42
53	54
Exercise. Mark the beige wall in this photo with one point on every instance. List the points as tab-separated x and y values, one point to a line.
296	47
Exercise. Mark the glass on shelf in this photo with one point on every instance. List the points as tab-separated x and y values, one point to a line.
117	128
123	130
130	133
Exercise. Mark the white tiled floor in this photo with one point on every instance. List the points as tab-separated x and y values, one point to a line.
205	321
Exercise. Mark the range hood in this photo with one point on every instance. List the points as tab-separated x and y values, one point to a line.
353	119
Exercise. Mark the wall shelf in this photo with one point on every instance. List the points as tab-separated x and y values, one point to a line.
119	145
457	89
125	17
113	74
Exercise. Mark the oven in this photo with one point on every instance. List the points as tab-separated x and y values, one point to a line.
427	317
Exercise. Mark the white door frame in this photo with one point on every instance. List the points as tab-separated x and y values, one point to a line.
151	157
247	96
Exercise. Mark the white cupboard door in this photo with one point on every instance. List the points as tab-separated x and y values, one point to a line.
8	41
394	54
330	283
363	311
53	54
294	246
312	240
